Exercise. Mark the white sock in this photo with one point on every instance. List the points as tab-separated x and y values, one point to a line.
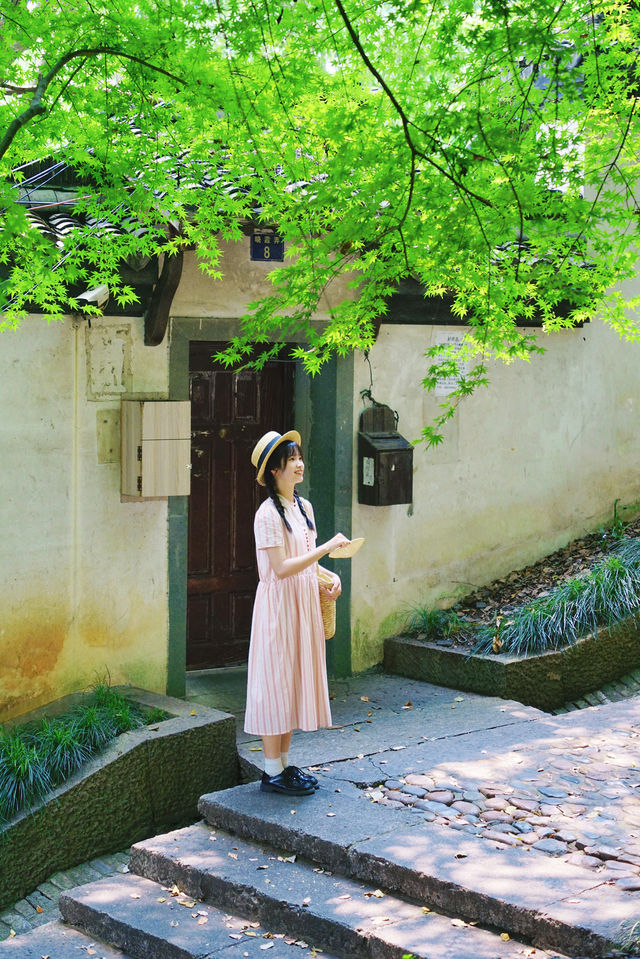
273	767
284	758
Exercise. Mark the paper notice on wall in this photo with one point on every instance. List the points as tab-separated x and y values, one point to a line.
447	384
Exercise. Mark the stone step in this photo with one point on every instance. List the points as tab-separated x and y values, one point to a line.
55	940
339	914
524	892
152	921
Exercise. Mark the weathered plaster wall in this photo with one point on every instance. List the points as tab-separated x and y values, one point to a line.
243	282
528	464
82	575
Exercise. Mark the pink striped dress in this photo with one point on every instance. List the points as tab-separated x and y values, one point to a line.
287	677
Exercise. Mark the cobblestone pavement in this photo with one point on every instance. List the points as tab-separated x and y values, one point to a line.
579	800
42	905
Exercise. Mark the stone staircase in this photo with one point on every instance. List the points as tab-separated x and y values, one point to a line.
332	874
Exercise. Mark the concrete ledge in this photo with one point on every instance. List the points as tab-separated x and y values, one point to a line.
546	680
147	780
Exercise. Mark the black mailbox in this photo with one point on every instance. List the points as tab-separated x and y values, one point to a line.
385	460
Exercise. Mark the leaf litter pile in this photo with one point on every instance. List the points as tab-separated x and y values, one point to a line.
502	596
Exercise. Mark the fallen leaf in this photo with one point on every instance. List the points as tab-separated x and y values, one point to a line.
255	749
193	713
235	935
306	900
267	945
232	855
302	944
505	936
364	699
189	903
135	895
162	899
250	932
174	923
39	909
459	699
261	867
376	894
174	890
203	920
330	814
397	748
458	922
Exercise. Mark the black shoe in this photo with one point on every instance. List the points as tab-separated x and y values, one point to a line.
286	785
297	775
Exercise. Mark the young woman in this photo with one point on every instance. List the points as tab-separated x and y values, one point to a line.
287	679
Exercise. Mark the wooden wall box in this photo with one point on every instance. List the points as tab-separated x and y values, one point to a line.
156	449
385	460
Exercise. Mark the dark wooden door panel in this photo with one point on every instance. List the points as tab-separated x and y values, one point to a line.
229	413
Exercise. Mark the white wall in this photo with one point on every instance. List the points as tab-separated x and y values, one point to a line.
83	588
528	464
83	576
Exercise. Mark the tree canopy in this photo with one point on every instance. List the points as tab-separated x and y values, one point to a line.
487	150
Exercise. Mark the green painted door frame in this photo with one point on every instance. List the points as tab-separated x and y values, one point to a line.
324	417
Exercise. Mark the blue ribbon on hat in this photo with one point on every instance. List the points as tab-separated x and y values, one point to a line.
265	453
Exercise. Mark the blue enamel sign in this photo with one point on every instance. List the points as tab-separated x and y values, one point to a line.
267	246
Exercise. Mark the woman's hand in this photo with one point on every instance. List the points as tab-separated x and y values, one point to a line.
334	542
335	590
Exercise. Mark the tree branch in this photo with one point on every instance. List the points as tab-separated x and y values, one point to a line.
37	108
406	123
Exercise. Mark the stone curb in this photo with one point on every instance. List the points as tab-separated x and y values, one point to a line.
547	680
146	780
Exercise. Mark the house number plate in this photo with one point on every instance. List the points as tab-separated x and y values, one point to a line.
267	246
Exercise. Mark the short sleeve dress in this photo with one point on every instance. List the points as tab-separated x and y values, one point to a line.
287	677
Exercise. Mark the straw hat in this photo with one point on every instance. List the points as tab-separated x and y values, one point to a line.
265	447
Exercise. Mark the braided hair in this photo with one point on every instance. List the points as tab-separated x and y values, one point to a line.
277	460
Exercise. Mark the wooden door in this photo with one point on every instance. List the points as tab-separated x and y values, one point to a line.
229	413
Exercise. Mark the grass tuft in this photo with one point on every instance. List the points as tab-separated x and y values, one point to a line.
609	592
37	757
433	624
24	777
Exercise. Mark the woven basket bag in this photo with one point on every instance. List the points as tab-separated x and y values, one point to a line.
327	606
